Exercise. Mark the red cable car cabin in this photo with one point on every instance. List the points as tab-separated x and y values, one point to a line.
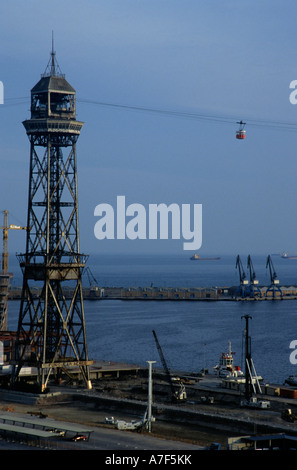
241	133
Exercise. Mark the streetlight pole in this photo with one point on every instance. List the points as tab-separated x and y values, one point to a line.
150	395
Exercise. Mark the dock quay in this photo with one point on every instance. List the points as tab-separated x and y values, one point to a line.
223	414
97	370
121	392
173	293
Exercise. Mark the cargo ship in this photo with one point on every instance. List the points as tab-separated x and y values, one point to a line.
197	257
286	256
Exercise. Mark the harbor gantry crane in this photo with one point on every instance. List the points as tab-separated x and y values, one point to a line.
5	275
176	395
243	288
274	282
253	281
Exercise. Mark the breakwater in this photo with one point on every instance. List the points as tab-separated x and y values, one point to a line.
233	293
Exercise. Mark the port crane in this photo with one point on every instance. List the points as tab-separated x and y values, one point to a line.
243	288
274	282
4	274
176	395
253	281
94	288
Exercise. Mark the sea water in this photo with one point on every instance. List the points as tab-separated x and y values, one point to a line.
192	334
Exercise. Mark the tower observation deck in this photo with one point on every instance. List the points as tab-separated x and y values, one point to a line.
51	333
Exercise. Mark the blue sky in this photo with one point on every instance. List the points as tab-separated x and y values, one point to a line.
230	59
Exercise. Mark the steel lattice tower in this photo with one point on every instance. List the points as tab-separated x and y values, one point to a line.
51	328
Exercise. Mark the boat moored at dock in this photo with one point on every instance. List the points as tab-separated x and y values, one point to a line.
226	367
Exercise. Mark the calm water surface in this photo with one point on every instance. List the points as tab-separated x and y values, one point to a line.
192	334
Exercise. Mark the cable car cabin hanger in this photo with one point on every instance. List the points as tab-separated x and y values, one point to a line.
241	133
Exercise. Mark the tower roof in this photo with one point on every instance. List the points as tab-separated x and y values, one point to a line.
52	83
53	79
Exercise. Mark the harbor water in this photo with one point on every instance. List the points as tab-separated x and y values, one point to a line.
192	334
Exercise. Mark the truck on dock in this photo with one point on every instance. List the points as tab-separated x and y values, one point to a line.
253	402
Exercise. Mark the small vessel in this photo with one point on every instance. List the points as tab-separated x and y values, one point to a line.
286	256
291	380
197	257
226	367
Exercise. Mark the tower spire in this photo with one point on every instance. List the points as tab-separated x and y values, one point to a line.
52	68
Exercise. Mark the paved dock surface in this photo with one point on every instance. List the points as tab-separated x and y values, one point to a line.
102	437
194	424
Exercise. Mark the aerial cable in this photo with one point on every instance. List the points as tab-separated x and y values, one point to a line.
15	101
160	111
166	112
192	115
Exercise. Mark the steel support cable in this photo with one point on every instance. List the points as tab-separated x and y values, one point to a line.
282	125
197	116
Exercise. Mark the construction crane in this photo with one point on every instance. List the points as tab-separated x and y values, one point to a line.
5	275
274	282
92	281
243	287
95	290
251	378
253	282
176	395
5	229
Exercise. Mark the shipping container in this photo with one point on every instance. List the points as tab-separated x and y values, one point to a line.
288	392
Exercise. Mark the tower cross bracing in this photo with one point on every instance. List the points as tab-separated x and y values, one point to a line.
51	333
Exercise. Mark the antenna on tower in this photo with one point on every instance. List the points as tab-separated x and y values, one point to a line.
52	68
